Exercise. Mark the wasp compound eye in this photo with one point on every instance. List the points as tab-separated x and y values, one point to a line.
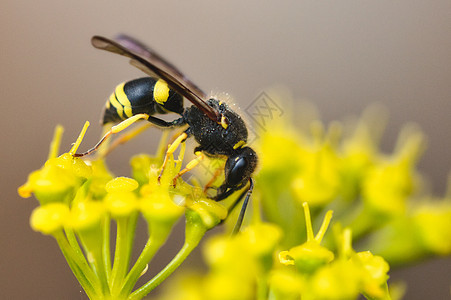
239	168
235	172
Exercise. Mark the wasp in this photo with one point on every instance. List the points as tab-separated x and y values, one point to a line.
219	131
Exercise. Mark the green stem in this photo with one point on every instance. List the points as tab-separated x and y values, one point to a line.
71	238
101	271
262	287
195	230
154	243
79	267
106	247
124	242
130	237
160	277
93	247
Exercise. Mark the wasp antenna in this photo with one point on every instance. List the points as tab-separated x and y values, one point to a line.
237	227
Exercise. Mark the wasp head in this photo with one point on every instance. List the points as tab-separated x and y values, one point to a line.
238	170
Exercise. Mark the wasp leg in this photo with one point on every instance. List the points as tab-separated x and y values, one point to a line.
164	124
115	129
125	138
171	149
191	165
224	192
215	176
176	134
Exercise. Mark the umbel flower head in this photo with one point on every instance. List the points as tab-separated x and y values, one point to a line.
79	199
251	266
321	275
376	199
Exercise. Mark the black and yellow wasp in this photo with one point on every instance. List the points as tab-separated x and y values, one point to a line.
217	129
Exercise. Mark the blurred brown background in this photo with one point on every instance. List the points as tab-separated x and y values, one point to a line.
341	55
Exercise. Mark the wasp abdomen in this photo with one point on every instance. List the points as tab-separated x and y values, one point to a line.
144	95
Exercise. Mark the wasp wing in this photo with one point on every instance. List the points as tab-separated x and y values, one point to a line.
155	65
145	51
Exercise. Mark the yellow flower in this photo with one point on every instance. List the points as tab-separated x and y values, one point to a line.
286	284
141	164
86	215
317	182
261	238
338	280
184	285
210	211
100	177
121	201
57	180
374	271
49	218
157	204
386	188
433	222
221	286
388	184
309	256
423	232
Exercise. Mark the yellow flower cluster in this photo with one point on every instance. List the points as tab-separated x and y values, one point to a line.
251	266
78	199
319	275
375	197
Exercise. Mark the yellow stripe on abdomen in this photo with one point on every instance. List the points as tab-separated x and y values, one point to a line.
123	100
107	104
116	104
161	92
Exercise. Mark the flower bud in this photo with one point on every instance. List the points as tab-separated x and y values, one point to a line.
210	212
121	201
49	218
374	273
307	257
57	180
